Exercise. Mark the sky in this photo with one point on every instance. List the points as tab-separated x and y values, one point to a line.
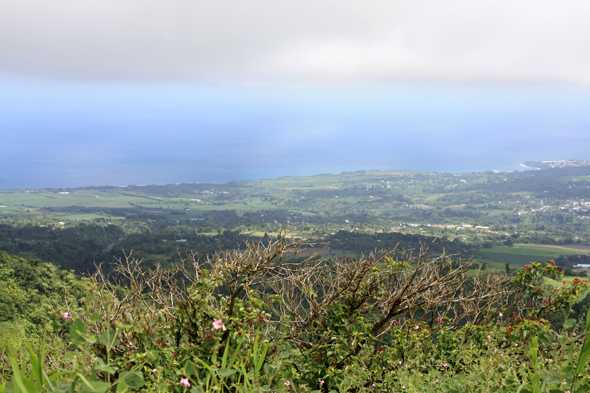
145	91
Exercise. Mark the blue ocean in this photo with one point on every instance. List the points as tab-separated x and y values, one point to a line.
74	134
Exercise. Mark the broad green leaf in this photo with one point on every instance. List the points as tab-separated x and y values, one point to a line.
63	388
78	330
270	369
189	368
226	372
569	323
107	338
133	380
121	387
546	338
585	388
95	386
105	368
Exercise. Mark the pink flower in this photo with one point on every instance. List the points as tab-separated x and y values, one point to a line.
66	315
217	325
287	383
500	314
185	382
155	370
322	382
445	365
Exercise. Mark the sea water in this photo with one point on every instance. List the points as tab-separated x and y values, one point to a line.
58	134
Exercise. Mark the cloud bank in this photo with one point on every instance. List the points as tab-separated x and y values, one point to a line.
304	42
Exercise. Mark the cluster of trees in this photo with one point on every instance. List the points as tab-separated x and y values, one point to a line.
71	248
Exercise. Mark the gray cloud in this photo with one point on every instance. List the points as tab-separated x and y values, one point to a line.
298	42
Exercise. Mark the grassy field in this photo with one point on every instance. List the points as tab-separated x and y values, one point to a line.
521	254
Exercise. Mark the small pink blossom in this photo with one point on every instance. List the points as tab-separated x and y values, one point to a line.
66	315
155	370
185	382
217	325
322	382
500	314
287	383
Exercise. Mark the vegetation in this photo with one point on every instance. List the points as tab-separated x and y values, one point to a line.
259	320
388	281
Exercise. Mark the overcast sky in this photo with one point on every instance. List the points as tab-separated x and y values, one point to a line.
299	42
145	91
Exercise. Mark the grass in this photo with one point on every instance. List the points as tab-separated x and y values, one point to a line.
548	251
521	254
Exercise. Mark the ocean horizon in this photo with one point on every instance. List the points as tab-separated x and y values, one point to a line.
81	179
56	134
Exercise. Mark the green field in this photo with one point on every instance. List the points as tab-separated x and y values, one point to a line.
521	254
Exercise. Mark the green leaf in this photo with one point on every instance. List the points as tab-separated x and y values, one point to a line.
270	369
63	388
133	380
189	368
585	388
105	368
78	330
95	387
121	387
569	323
546	338
107	338
95	316
226	372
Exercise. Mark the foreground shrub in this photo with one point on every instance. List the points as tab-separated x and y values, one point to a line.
257	320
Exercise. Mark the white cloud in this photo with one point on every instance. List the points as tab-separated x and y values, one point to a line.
304	41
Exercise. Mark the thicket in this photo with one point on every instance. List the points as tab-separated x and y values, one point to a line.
256	320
